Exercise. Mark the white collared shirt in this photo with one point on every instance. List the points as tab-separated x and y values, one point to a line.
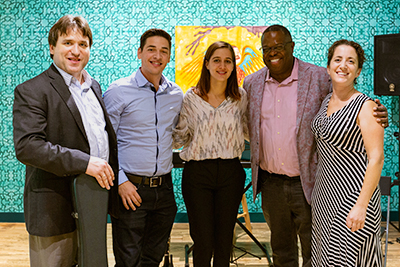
91	113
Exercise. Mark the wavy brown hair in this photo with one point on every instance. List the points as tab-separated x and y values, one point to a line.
67	23
203	86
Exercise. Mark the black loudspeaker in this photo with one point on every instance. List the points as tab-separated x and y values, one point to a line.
387	64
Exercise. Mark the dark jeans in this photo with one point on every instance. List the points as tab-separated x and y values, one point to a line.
140	237
212	190
288	215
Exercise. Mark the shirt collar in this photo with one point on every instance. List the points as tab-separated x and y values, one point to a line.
69	79
293	76
143	82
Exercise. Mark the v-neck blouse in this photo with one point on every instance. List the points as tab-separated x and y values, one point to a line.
208	132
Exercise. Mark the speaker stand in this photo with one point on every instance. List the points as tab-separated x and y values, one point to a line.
397	182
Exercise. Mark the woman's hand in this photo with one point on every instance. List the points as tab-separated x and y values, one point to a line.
356	218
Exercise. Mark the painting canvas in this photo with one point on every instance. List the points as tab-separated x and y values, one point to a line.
191	43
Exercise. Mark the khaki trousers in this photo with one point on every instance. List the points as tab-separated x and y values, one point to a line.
53	251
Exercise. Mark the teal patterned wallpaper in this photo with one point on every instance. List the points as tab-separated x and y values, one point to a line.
118	24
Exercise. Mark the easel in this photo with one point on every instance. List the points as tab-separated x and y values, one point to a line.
246	164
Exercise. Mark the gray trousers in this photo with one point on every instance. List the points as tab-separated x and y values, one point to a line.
54	251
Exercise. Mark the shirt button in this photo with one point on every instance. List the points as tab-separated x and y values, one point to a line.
282	164
279	100
279	149
279	116
278	132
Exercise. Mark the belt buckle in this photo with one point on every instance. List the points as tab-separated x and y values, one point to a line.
155	181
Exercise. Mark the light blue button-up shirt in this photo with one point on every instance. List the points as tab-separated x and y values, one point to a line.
91	113
143	121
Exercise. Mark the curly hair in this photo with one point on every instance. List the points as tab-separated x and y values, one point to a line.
356	46
277	28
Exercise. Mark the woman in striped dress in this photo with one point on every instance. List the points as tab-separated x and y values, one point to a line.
346	201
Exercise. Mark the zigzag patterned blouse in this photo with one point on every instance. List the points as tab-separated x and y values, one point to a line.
206	132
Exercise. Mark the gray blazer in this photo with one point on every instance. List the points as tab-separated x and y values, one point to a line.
313	86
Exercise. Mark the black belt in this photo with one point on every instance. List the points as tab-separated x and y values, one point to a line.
268	174
154	181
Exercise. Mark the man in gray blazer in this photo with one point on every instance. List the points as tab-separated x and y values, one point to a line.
61	130
283	98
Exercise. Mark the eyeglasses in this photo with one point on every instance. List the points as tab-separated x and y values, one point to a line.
277	48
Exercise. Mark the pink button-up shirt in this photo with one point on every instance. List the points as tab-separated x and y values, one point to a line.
278	153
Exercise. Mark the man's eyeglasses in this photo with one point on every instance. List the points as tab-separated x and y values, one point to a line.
277	48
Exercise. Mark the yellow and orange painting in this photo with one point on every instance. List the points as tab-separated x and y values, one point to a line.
191	43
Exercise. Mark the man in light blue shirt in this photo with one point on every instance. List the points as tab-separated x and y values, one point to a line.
144	108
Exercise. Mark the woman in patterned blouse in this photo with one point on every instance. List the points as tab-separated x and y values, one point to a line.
212	128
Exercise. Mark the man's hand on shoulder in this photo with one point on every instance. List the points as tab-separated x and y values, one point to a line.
102	171
381	114
129	195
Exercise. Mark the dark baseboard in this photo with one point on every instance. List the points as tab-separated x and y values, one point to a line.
181	217
12	217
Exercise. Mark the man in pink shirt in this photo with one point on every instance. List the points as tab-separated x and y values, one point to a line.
283	98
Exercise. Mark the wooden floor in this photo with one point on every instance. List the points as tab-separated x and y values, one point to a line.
14	245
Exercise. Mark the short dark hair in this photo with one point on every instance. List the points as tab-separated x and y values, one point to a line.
67	23
277	28
203	86
356	46
154	32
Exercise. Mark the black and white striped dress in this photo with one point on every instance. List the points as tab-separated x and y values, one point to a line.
342	162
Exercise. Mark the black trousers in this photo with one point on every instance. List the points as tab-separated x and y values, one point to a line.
140	237
212	190
288	216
